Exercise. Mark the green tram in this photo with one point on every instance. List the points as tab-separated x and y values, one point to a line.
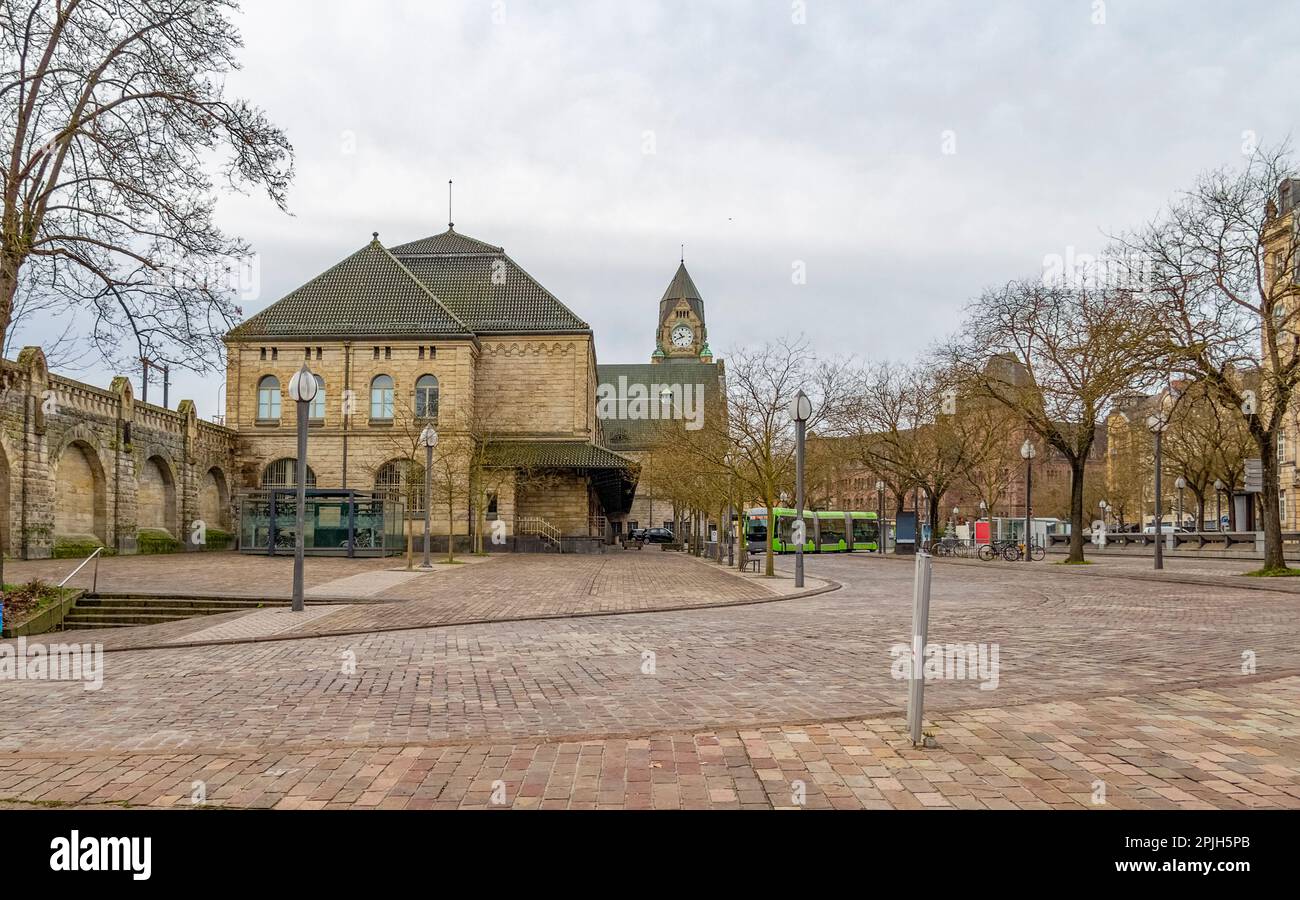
826	531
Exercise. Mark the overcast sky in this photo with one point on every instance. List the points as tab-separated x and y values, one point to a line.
590	139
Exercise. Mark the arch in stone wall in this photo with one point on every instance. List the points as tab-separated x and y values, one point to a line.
214	498
155	495
80	493
5	506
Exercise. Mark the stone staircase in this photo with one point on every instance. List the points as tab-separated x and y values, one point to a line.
124	610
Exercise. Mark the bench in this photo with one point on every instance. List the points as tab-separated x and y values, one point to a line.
675	546
753	559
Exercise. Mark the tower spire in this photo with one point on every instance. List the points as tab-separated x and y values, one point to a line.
683	254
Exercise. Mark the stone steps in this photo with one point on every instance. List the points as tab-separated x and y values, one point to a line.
113	611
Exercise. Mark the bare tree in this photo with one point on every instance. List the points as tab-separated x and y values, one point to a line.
922	426
1223	265
752	446
1055	356
111	112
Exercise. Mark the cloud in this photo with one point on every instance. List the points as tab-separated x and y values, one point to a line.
772	142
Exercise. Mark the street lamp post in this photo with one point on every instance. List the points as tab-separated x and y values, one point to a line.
1027	453
984	511
302	391
801	412
956	512
1158	424
428	440
1218	504
880	517
1180	484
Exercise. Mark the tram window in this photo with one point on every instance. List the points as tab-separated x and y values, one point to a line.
864	531
756	531
832	530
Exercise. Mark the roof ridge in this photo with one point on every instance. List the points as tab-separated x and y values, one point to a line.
424	287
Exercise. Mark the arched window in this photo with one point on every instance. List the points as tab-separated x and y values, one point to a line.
317	411
284	473
426	397
403	480
381	397
388	480
268	398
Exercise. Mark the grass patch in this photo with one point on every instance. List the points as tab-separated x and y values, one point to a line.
1283	572
77	548
22	601
150	541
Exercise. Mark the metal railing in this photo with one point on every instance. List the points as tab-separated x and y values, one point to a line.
536	525
94	583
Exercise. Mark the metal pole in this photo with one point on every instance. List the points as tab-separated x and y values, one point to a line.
1218	510
798	500
167	374
920	630
1180	507
1029	493
428	503
1160	536
301	513
880	521
144	383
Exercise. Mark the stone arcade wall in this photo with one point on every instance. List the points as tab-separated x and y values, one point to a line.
83	464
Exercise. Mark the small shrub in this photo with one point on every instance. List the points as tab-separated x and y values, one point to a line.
155	540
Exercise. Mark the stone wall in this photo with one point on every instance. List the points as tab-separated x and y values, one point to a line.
525	386
80	465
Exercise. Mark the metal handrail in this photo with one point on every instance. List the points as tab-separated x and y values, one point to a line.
98	550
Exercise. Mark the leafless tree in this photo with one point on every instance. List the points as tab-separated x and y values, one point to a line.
1055	356
1223	264
111	115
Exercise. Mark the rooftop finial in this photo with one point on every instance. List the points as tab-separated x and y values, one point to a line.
450	223
374	237
683	254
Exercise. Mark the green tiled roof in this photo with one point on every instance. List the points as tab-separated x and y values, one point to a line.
484	287
446	284
643	434
555	455
369	293
682	287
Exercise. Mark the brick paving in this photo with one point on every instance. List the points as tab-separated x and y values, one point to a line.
492	589
1230	748
1139	683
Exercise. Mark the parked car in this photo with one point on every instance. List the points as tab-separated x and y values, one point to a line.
636	534
659	536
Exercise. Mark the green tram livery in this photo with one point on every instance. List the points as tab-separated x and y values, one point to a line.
826	531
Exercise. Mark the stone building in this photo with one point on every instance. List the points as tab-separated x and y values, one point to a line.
446	331
638	413
82	467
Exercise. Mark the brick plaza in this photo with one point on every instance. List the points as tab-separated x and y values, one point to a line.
1115	686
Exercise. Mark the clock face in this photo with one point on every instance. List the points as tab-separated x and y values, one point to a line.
682	336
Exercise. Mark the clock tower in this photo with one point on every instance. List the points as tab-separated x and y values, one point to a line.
681	335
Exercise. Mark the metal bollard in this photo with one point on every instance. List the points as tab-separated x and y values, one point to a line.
920	630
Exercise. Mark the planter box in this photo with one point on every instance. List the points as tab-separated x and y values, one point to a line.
47	619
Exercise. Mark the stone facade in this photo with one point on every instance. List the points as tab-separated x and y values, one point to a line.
514	369
83	466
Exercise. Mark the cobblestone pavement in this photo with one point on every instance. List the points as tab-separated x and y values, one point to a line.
500	588
1230	748
224	574
1085	665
